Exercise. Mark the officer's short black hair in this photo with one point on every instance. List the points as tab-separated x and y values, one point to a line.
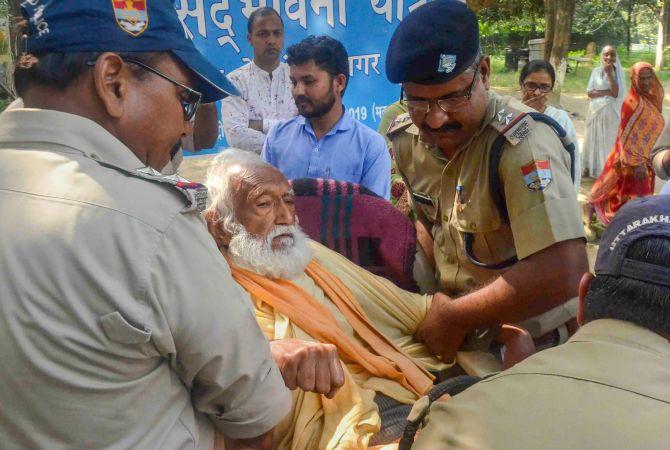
59	70
264	11
644	304
327	53
538	65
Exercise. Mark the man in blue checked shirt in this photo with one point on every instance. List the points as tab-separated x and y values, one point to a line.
324	141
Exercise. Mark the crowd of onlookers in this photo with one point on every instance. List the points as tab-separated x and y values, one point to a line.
298	124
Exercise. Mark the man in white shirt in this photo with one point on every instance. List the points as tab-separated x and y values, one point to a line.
265	88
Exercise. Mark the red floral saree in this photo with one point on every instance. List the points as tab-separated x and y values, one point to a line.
628	173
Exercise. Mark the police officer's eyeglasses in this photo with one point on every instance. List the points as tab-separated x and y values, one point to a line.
532	87
447	105
190	98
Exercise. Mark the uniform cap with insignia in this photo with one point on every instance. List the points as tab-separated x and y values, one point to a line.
120	26
434	44
640	218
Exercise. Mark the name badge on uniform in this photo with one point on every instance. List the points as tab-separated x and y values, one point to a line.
196	193
519	129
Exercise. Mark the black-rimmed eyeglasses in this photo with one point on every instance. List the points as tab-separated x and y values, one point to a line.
449	104
190	98
531	86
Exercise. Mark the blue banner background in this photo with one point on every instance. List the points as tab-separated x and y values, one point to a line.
219	30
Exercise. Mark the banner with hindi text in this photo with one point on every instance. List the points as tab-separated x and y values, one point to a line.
219	29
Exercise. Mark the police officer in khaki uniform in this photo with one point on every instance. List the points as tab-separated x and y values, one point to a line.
607	387
120	324
509	260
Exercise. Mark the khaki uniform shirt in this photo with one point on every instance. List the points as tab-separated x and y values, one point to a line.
606	388
120	324
452	197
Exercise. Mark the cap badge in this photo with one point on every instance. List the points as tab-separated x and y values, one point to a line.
447	63
131	15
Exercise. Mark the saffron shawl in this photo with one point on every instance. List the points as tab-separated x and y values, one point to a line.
641	124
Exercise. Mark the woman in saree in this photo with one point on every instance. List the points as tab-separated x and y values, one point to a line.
628	172
606	90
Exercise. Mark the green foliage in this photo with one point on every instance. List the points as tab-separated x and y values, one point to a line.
512	23
575	82
601	20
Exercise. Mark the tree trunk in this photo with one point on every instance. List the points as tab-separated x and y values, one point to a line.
565	11
550	26
628	25
661	42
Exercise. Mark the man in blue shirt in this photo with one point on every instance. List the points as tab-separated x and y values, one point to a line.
324	141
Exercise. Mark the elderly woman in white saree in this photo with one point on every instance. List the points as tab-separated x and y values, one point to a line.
606	91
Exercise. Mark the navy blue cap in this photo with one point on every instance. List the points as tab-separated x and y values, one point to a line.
433	44
120	26
640	218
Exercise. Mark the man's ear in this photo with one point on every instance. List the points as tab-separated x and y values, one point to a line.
111	80
584	284
215	227
340	83
485	71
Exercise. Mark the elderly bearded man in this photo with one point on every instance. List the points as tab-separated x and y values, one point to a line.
302	290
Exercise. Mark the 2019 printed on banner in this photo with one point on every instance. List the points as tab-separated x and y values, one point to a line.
219	29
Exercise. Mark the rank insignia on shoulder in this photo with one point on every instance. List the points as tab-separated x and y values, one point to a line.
400	123
537	175
195	193
504	117
514	125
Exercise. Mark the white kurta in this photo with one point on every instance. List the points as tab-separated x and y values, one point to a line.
602	120
262	96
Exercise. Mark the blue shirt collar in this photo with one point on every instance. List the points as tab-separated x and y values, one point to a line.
346	122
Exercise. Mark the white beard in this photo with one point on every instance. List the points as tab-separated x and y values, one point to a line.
249	252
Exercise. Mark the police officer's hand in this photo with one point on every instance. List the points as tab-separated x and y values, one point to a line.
310	366
442	330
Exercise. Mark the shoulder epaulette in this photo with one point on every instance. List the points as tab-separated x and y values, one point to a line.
515	125
401	123
194	193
